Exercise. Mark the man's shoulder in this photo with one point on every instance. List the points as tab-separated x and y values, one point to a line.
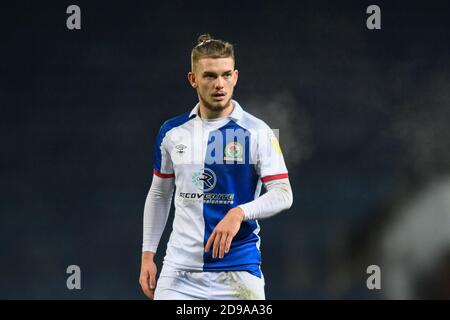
251	122
174	122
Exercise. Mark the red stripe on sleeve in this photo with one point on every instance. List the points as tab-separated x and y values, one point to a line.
163	175
275	177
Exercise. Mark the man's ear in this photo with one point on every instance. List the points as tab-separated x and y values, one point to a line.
191	78
236	72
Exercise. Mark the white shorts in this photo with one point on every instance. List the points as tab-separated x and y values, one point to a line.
175	284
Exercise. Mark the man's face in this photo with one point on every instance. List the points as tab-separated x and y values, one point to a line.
214	79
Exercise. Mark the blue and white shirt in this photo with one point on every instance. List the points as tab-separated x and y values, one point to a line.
216	165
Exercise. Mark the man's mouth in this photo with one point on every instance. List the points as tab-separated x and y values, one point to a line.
218	96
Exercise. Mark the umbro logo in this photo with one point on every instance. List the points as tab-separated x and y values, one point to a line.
180	148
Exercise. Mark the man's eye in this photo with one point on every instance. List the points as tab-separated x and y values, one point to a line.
227	76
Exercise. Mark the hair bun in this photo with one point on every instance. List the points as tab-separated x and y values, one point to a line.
203	38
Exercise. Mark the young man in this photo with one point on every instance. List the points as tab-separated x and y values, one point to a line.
217	156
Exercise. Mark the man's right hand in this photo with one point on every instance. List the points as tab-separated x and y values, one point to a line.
147	279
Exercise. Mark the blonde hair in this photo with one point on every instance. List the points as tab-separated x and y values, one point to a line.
207	47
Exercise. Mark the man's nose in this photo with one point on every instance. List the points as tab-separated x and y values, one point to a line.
219	82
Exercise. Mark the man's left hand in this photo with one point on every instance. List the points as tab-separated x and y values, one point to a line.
224	232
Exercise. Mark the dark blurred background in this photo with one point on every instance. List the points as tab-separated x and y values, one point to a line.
363	118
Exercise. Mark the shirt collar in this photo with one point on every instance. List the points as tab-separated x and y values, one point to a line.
235	115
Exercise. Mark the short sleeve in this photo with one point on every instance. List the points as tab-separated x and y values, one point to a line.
270	163
162	163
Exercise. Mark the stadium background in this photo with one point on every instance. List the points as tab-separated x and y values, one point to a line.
363	118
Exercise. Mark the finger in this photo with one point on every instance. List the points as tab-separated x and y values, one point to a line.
210	241
222	245
216	245
145	284
149	293
143	281
228	243
152	282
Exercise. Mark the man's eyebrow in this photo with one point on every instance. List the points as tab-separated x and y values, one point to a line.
208	73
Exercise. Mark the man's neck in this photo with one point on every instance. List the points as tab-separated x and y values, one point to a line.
206	113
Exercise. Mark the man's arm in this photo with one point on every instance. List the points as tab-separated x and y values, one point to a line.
156	212
277	198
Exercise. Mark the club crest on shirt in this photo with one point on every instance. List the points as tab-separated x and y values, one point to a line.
233	151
